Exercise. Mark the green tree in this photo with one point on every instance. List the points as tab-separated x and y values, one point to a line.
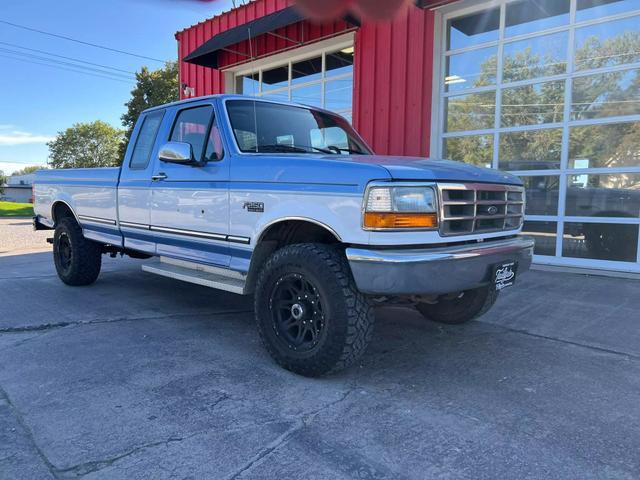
153	87
28	170
95	144
3	179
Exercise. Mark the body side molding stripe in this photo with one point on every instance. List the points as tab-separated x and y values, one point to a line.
106	221
189	233
134	225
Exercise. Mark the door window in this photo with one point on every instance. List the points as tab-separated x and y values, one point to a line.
191	127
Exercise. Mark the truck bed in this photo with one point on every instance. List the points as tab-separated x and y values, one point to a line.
91	193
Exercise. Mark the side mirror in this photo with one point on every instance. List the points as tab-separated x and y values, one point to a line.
177	152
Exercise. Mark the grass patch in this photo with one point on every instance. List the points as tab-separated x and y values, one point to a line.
12	209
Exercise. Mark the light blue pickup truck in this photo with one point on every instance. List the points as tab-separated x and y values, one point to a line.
287	203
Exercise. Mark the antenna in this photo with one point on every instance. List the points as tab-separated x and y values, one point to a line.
253	85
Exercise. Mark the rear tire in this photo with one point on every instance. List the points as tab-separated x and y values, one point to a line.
467	306
310	316
77	259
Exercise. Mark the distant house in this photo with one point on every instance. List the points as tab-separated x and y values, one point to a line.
18	188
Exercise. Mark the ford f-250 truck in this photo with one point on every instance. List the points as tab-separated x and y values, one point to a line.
288	203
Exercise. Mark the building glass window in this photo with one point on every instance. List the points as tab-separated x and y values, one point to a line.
550	90
324	81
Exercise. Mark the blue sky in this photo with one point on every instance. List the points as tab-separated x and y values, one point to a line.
37	101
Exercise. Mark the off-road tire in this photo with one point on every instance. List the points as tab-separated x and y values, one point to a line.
82	265
348	316
456	311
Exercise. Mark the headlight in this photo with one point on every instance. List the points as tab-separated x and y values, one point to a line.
396	207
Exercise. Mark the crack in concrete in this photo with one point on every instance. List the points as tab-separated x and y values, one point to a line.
52	326
83	469
86	468
587	346
301	422
30	436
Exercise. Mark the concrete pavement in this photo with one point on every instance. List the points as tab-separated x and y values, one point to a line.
141	377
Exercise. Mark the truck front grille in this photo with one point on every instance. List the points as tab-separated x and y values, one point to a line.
467	208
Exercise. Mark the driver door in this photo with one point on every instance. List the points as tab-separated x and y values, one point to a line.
190	204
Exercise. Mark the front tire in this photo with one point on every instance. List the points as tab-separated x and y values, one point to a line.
460	308
77	259
310	316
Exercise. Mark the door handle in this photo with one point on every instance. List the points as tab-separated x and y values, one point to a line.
159	176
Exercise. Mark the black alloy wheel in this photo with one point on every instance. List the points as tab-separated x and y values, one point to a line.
297	312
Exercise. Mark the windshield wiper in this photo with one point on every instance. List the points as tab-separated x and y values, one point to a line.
285	147
349	150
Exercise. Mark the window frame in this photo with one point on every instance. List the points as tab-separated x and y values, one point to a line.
438	114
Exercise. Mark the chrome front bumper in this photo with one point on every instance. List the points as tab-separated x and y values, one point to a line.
435	271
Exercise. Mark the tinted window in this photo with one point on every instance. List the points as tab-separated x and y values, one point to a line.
214	150
191	127
270	127
146	139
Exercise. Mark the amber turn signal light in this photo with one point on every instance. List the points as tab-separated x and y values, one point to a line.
400	220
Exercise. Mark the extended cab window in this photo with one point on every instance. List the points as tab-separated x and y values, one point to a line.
191	127
146	138
262	127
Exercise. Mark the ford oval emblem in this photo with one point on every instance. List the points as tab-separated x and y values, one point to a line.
492	210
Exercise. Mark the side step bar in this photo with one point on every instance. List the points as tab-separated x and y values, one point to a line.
213	277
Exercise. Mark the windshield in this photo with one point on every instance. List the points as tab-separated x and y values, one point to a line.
291	129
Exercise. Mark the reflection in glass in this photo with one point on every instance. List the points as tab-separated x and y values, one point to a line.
248	84
309	95
544	234
608	44
601	241
306	71
338	95
531	104
542	195
275	78
601	146
526	16
535	57
603	195
531	150
339	63
473	149
592	9
473	29
474	111
277	96
471	69
606	94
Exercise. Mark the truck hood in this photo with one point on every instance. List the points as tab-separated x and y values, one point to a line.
417	168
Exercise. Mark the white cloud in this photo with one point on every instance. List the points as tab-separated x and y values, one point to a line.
16	137
8	168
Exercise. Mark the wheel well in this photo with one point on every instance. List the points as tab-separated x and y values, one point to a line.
61	210
281	234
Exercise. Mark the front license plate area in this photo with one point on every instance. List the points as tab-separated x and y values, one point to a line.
504	275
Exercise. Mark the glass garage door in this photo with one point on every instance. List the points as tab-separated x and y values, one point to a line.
550	90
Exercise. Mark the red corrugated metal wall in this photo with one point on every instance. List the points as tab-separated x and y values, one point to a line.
392	74
393	83
207	81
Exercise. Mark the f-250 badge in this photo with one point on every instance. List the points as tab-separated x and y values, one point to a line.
253	207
